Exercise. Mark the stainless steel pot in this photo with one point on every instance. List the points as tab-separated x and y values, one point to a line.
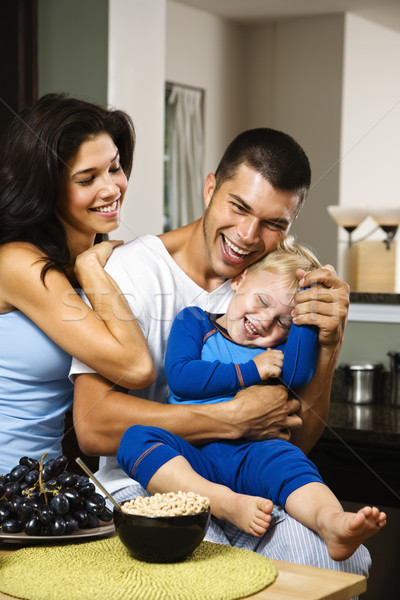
362	382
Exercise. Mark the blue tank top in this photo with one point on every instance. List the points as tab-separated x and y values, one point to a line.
35	391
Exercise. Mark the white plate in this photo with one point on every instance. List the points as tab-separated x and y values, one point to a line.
22	538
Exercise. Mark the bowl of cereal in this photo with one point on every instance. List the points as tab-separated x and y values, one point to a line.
163	528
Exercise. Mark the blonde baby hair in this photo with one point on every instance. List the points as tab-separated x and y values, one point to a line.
286	259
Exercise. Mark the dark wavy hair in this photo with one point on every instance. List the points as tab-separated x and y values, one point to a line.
273	154
35	150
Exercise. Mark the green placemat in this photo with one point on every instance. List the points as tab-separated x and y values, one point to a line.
104	570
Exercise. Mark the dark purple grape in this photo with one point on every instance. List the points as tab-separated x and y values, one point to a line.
59	465
86	490
74	497
95	504
25	509
93	521
60	504
46	530
33	526
34	495
106	515
71	524
13	504
58	526
51	484
82	516
19	472
4	513
7	478
46	472
31	463
12	489
45	514
11	526
82	479
2	489
69	480
31	477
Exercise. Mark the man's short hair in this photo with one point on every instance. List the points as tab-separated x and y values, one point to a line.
273	154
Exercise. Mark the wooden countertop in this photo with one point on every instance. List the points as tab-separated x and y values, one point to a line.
296	582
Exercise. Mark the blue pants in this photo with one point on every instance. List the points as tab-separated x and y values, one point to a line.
272	469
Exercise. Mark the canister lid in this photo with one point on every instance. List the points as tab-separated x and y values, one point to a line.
362	366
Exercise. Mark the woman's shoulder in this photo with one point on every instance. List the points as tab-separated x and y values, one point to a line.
20	266
18	251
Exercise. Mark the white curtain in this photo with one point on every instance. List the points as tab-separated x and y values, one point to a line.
186	146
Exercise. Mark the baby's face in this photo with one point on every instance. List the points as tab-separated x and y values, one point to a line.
259	314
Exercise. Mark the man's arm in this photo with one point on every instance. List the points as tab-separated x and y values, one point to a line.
102	413
325	303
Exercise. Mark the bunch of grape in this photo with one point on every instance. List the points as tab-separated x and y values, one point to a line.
45	499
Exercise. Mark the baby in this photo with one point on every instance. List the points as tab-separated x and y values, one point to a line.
209	359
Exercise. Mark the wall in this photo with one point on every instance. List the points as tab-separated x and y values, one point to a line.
208	52
66	61
369	341
136	80
294	83
370	123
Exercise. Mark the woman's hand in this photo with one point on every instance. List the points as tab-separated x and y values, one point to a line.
101	252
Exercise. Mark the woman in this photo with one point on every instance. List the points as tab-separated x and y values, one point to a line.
64	166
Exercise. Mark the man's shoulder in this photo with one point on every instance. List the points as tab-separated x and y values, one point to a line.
143	253
144	245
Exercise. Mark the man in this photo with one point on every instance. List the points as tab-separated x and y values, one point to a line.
251	202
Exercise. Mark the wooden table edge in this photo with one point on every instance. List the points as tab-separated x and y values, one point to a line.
343	586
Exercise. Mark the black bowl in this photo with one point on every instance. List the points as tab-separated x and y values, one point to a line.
161	539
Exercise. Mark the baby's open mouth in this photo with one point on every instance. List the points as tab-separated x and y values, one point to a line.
250	327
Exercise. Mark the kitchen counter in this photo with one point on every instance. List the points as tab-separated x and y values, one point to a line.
358	454
369	424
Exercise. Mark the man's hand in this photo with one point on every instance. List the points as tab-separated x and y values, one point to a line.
263	412
325	303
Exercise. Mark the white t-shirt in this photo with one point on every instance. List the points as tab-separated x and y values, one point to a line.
156	289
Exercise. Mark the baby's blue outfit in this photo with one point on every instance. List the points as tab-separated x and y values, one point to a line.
203	364
35	391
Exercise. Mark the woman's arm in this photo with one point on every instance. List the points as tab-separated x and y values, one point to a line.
192	378
102	413
324	304
108	338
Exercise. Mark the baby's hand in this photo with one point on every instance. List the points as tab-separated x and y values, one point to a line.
269	363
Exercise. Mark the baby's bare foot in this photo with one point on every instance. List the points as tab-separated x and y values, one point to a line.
251	514
347	531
